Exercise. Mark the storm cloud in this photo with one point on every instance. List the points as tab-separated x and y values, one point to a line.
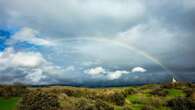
74	39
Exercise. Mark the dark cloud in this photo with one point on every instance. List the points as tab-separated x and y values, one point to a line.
160	33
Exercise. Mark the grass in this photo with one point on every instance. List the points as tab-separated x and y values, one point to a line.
118	108
8	104
139	98
175	93
137	106
137	101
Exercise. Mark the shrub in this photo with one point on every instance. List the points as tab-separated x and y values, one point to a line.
84	104
155	101
13	91
159	92
101	105
148	107
193	96
189	92
87	104
179	85
129	91
74	93
168	85
126	108
193	86
39	101
118	99
181	103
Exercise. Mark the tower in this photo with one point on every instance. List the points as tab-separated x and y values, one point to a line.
174	80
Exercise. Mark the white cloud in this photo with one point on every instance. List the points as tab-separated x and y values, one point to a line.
69	15
155	33
138	69
109	75
95	71
83	18
114	8
31	64
36	76
87	63
28	35
116	74
145	33
70	68
21	59
28	59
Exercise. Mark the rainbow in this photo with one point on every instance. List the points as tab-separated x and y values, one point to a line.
128	47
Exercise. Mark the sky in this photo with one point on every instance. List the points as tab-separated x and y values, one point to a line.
96	42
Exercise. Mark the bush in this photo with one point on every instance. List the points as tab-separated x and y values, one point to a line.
74	93
168	85
192	86
13	91
38	100
126	108
86	104
155	101
181	103
148	107
189	92
159	92
101	105
129	91
118	99
193	96
179	85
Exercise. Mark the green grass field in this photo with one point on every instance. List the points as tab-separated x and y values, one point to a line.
140	99
175	93
8	104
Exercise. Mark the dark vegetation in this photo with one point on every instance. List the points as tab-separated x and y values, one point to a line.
181	103
178	96
37	100
17	90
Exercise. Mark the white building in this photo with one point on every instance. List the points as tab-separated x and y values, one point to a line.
174	80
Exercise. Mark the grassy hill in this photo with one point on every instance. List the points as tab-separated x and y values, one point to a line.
180	96
8	103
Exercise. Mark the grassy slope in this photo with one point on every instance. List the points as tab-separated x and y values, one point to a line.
140	99
8	104
135	101
175	93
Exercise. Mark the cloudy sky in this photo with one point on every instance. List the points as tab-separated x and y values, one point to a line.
96	42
